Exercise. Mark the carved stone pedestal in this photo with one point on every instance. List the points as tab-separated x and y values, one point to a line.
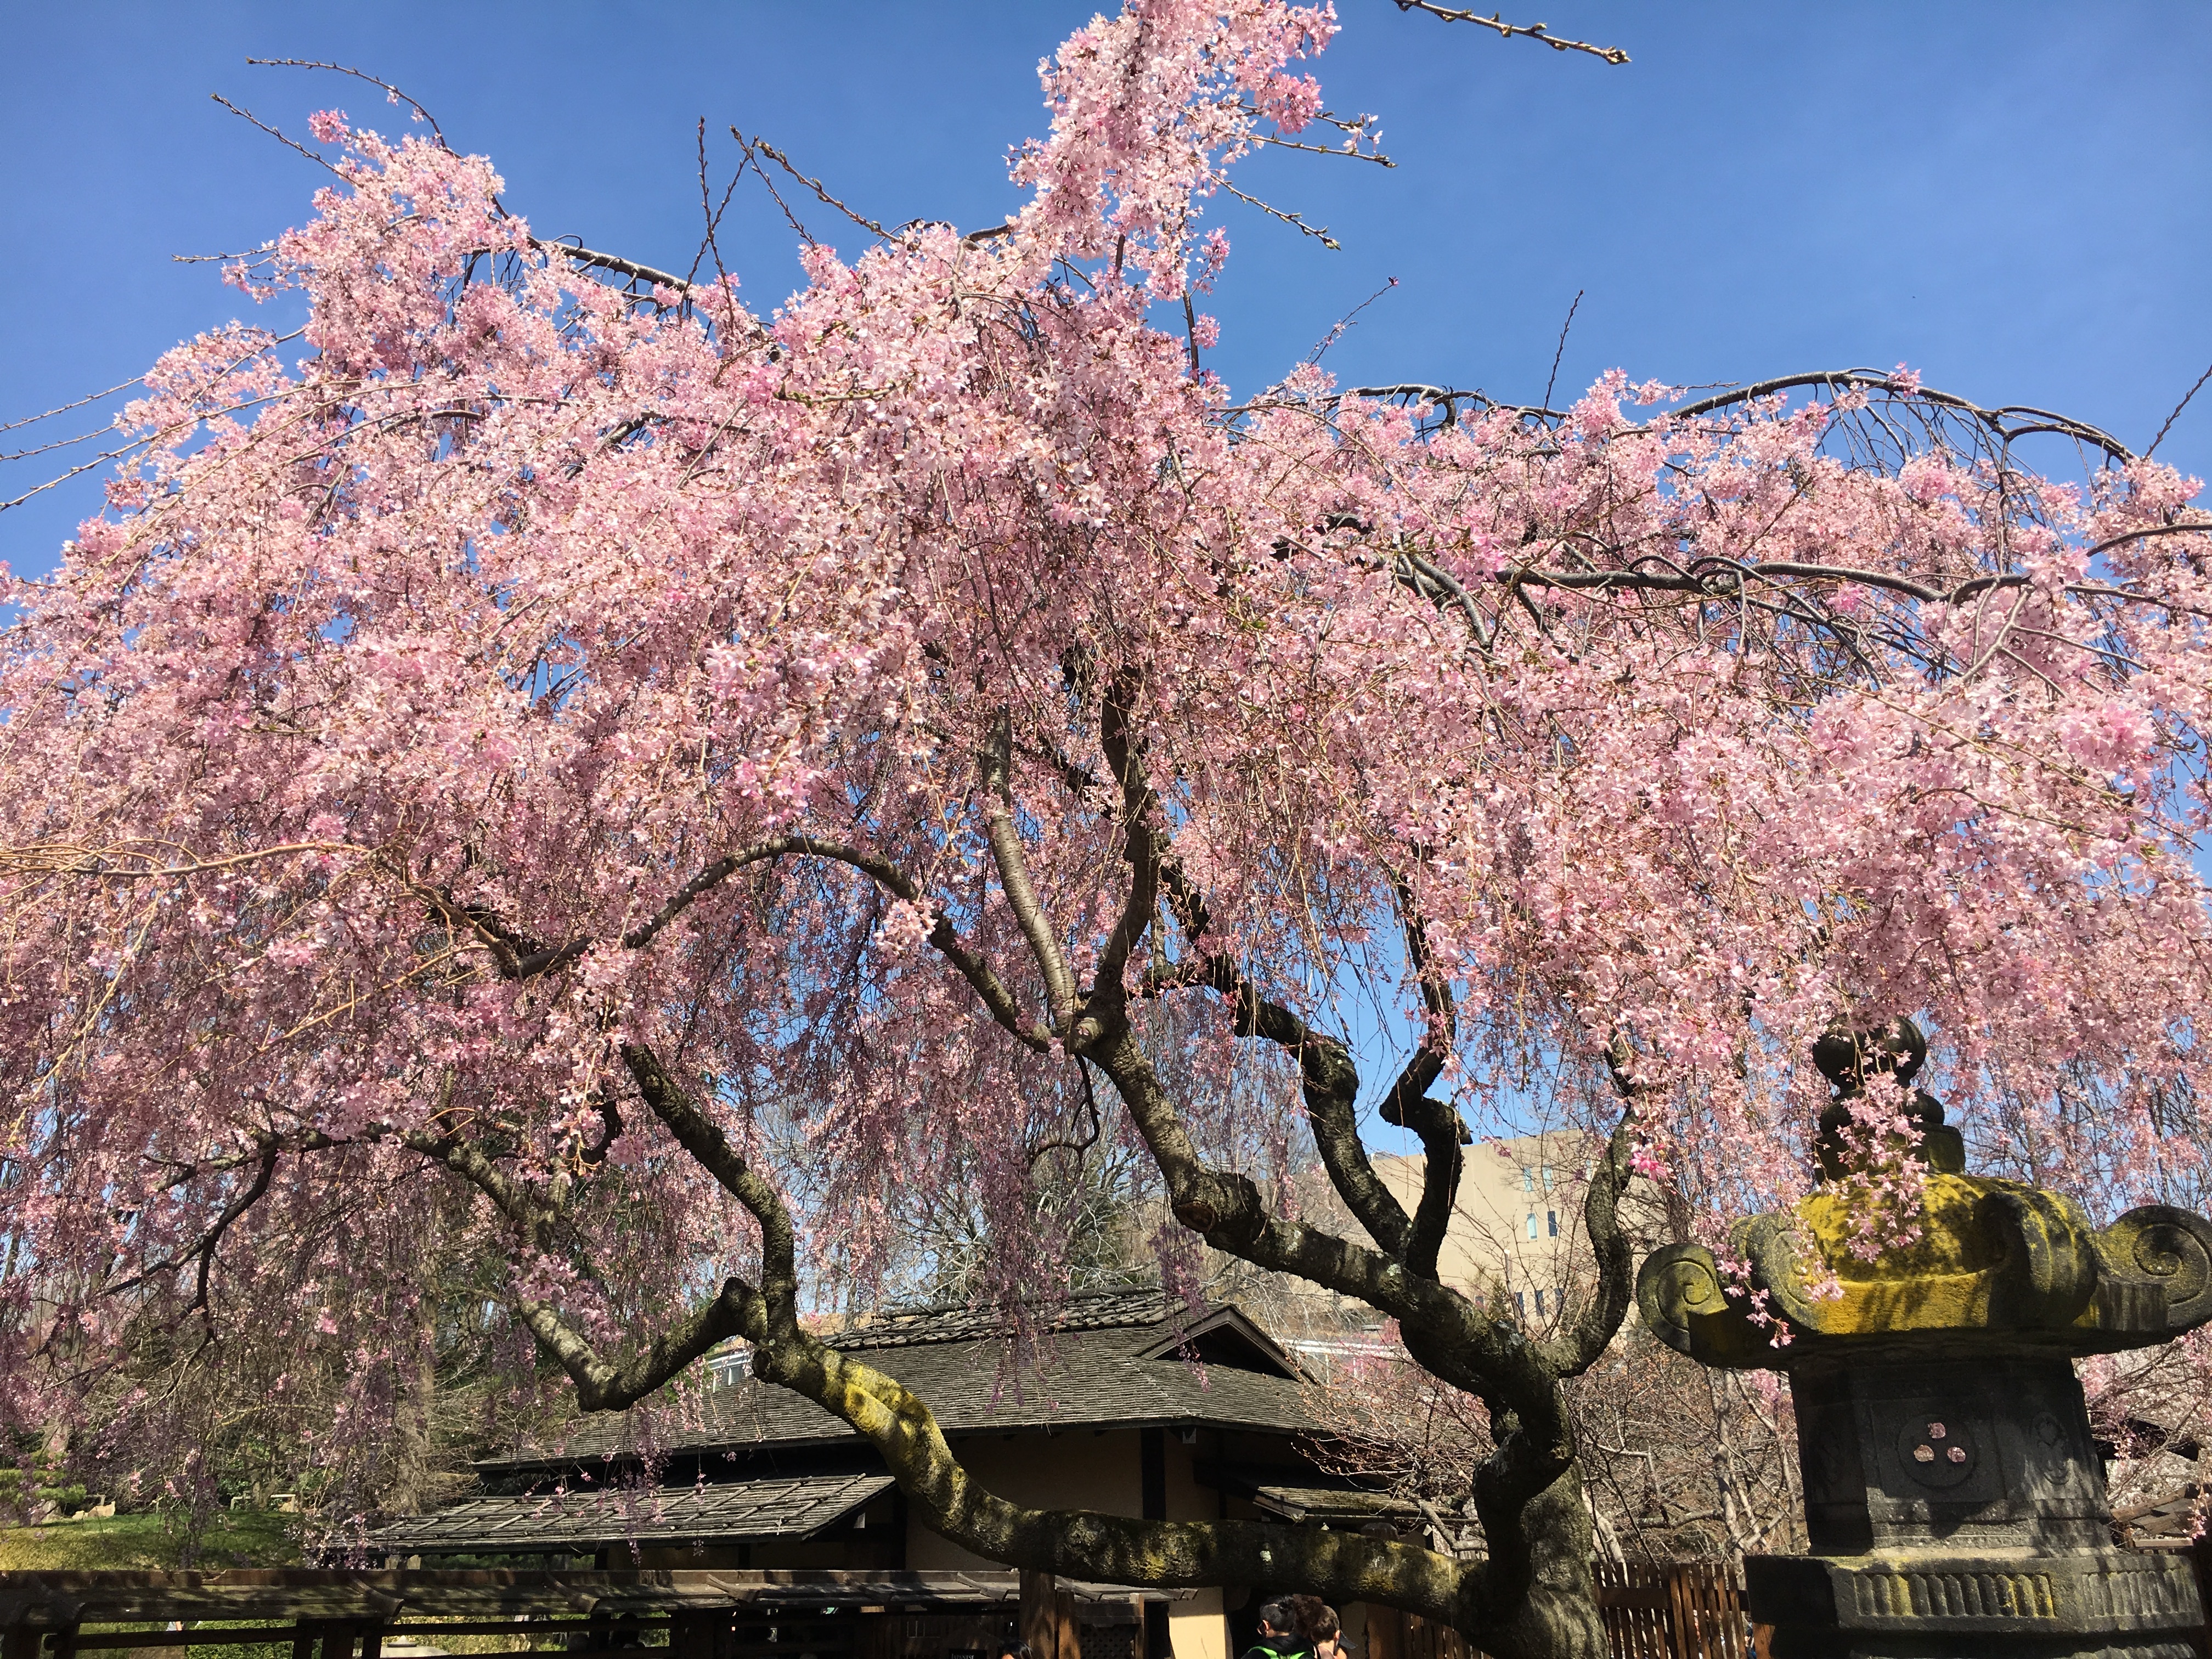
1953	1498
1959	1509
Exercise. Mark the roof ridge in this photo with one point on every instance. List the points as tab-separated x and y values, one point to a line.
1097	1308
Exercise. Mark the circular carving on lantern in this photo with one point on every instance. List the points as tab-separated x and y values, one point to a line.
1937	1451
2172	1249
1677	1281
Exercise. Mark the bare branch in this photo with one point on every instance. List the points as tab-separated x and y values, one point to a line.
591	258
1506	31
359	75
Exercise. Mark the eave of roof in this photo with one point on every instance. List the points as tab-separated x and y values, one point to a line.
796	1508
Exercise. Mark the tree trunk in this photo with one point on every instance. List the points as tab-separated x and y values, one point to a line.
1557	1618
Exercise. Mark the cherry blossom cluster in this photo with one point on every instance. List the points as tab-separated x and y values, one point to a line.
434	715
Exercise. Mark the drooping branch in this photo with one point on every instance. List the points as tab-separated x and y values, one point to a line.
1226	1208
520	957
1330	1081
1140	845
593	260
1844	380
710	1148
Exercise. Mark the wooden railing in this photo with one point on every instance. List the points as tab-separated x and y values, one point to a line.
1652	1610
1673	1610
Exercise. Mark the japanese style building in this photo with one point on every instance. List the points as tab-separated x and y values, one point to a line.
1138	1407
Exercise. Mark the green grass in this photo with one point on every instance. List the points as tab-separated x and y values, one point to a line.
244	1539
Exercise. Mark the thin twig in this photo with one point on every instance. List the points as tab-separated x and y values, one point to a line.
1347	320
359	75
1506	31
64	408
2177	408
821	191
1376	156
293	144
1562	350
714	214
1291	219
746	144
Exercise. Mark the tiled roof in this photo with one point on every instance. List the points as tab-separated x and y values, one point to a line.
1085	1310
749	1509
1091	1372
1299	1495
1341	1504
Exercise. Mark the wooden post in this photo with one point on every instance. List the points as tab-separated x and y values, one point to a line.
691	1636
20	1641
1040	1626
1068	1640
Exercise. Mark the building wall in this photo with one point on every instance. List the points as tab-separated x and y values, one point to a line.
1082	1469
1510	1189
1092	1470
1197	1628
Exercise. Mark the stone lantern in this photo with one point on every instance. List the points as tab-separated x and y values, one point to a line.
1954	1496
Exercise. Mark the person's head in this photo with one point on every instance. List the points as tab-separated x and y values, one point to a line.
1276	1619
1013	1650
1317	1621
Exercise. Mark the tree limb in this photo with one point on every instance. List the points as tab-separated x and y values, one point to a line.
601	1384
1408	1106
953	1504
1005	844
1572	1352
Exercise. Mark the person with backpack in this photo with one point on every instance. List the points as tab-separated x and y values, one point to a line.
1279	1634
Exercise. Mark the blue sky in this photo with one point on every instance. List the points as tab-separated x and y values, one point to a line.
2011	198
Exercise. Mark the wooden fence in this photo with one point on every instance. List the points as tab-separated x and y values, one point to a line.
1652	1610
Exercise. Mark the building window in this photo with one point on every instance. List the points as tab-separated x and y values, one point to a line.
1521	1304
1527	1180
1540	1304
1552	1221
1532	1224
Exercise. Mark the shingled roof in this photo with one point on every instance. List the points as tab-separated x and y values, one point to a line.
746	1509
1101	1359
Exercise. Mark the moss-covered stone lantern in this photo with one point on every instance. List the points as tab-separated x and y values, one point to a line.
1954	1496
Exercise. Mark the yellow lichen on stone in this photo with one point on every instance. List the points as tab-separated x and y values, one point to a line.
1945	1277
